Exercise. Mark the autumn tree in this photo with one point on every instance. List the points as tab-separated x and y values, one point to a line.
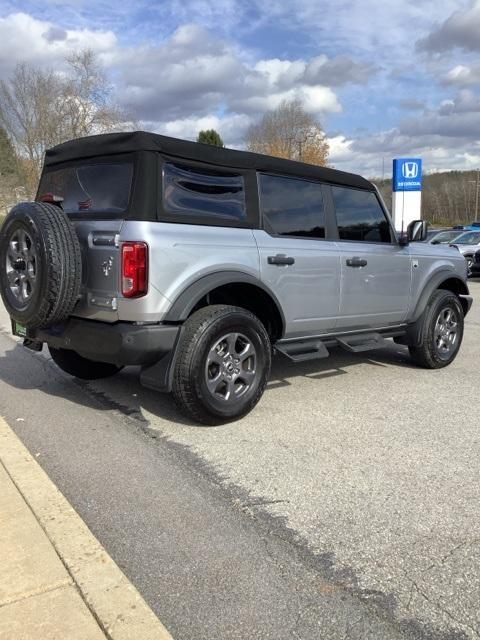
42	108
289	132
210	136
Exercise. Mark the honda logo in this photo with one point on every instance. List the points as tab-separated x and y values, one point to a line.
410	170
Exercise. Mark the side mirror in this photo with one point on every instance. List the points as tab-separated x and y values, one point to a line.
417	231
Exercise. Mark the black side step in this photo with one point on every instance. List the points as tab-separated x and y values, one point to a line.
302	351
364	342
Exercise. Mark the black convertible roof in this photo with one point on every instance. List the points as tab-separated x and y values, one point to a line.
113	143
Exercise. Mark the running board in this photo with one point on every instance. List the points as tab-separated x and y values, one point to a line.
364	342
303	351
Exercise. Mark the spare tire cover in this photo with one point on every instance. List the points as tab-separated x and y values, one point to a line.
40	264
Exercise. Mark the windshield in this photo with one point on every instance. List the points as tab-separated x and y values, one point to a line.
445	236
471	237
100	188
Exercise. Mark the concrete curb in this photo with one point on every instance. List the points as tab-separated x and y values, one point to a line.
117	606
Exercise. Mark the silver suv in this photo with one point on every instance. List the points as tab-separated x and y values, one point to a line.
197	263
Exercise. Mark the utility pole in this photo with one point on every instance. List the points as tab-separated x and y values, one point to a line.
477	193
477	188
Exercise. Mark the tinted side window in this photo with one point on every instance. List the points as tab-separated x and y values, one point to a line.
360	216
292	207
99	188
189	191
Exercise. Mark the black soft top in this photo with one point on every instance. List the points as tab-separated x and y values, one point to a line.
115	143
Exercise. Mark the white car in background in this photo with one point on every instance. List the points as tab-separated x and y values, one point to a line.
468	243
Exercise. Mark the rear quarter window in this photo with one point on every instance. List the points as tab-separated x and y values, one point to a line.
99	188
208	196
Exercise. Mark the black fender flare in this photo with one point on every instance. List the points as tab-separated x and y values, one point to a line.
414	335
435	283
186	301
159	376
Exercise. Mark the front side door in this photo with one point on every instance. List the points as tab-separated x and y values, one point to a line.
297	262
376	271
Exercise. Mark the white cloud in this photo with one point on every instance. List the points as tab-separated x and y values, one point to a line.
320	99
195	74
463	75
26	39
194	78
231	128
340	149
447	137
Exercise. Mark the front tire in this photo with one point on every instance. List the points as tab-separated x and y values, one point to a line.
441	331
222	365
79	367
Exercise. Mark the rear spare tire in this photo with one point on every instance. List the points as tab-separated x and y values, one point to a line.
40	264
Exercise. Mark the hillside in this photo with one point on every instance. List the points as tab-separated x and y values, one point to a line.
448	197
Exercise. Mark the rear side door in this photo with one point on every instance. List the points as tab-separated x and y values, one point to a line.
297	261
376	271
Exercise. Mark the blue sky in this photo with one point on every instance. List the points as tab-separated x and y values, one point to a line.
384	79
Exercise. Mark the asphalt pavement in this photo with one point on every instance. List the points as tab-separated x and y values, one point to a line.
346	505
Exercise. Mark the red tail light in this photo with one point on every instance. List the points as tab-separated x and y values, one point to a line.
134	269
51	198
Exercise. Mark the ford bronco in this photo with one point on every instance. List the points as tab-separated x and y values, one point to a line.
197	263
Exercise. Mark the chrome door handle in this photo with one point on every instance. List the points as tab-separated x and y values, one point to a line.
280	259
356	262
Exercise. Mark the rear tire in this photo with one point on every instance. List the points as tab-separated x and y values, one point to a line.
441	331
222	366
76	365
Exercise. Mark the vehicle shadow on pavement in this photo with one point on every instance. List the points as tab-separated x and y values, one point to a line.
336	365
23	369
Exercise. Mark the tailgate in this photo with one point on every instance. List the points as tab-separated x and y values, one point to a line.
100	269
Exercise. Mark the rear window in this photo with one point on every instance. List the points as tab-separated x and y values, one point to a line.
100	188
203	194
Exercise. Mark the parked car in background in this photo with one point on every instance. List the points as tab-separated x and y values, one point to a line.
473	226
431	233
468	243
445	236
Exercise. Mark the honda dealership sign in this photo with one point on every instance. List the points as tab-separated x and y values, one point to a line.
407	174
407	191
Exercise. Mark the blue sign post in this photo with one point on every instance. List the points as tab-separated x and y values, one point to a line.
407	191
407	174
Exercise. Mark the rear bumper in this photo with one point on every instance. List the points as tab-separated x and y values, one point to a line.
121	343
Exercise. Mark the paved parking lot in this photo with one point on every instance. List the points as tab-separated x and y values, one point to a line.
369	465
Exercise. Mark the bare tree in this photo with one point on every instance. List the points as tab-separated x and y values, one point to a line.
289	132
42	108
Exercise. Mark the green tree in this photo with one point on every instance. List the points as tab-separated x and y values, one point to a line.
8	159
210	136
